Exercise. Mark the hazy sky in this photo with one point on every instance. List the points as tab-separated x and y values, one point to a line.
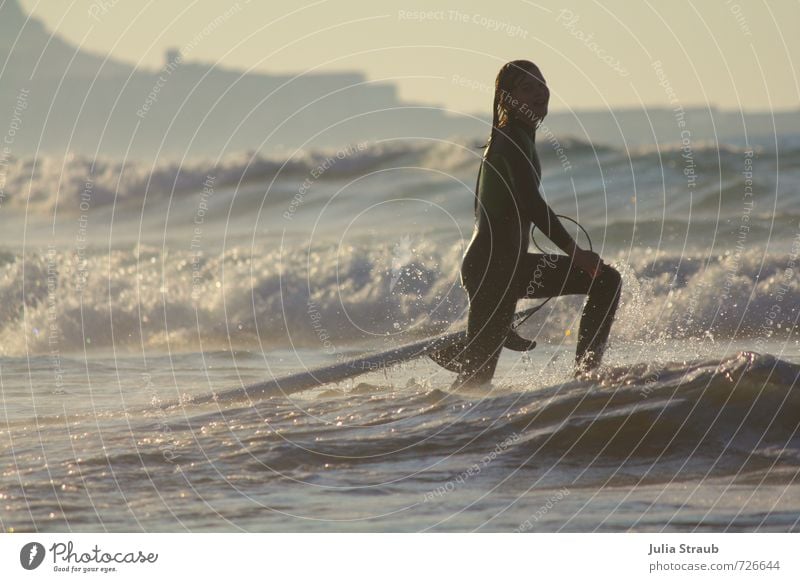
730	54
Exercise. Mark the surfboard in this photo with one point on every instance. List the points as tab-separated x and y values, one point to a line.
443	349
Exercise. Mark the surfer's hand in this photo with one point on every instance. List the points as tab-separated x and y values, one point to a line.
587	261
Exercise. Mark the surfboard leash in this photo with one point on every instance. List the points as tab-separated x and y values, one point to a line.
534	310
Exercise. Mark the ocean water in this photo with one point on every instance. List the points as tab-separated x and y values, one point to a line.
130	292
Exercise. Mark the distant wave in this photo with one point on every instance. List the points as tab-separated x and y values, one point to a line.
47	182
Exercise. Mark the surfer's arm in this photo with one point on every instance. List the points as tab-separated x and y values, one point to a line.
546	220
539	211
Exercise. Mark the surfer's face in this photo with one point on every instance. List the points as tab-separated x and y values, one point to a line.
531	96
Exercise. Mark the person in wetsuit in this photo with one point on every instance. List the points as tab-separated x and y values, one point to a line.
497	269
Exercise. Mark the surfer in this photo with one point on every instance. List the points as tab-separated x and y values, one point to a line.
497	268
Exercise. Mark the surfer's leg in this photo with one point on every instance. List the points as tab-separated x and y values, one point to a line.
554	275
491	309
598	315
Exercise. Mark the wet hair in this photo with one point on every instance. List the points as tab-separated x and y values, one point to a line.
510	74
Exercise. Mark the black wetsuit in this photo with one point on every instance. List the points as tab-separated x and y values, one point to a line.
497	269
